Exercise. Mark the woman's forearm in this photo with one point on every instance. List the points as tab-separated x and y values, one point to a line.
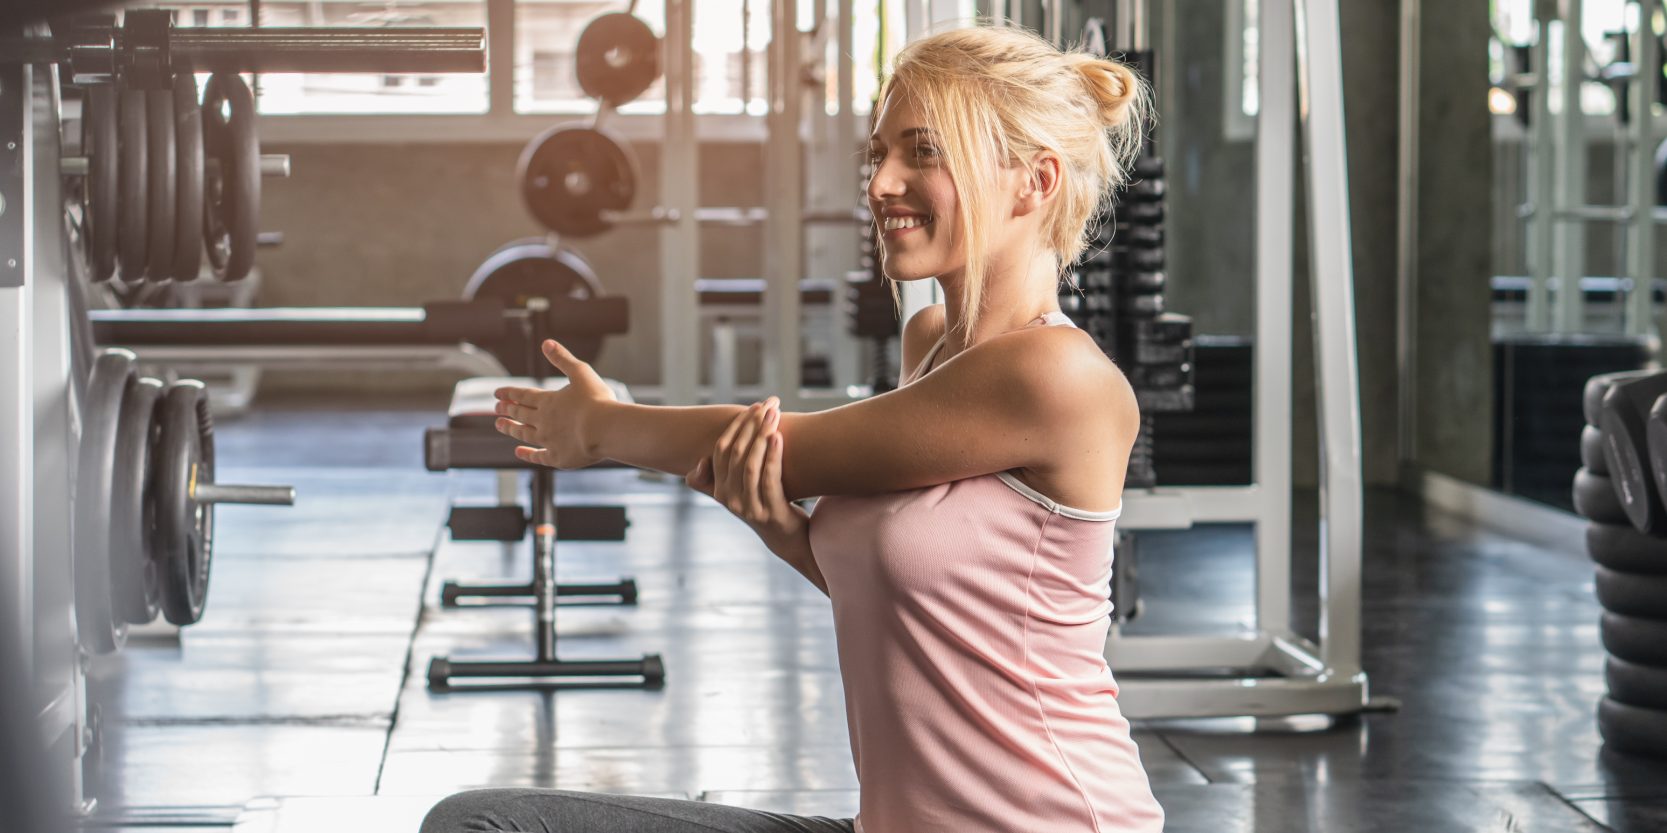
668	439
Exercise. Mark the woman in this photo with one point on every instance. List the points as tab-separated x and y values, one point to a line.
965	529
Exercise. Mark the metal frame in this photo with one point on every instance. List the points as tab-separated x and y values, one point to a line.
40	426
1308	677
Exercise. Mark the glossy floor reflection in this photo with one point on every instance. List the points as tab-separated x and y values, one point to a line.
305	681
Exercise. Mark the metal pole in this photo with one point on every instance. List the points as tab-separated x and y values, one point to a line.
1569	248
500	37
1337	381
679	191
1406	238
1275	212
783	228
1543	185
1640	248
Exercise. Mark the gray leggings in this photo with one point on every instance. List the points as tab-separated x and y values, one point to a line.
561	811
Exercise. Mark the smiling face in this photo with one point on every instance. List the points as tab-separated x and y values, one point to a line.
912	195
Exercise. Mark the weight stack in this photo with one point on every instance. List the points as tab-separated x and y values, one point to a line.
1118	299
1211	444
1626	538
870	309
1538	386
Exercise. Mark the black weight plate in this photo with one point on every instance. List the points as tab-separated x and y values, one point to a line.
132	234
1595	499
617	58
1633	730
1625	450
184	534
101	630
1636	685
1655	446
1634	639
99	119
188	188
133	569
1591	400
1622	548
1591	450
231	197
534	269
1632	594
160	166
571	174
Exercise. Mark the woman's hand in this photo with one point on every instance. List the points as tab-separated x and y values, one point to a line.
553	425
744	474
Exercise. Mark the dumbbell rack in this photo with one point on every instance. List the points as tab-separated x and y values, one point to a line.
48	366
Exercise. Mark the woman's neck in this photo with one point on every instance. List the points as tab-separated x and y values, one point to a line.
1015	294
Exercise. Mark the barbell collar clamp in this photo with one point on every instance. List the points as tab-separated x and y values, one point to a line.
255	495
271	164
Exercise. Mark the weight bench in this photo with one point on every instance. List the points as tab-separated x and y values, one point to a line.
469	441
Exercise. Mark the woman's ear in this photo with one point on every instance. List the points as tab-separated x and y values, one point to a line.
1040	184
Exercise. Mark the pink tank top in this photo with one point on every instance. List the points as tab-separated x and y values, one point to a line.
971	619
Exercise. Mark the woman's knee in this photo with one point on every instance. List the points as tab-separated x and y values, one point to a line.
475	811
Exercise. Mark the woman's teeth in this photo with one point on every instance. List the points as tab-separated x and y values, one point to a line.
894	223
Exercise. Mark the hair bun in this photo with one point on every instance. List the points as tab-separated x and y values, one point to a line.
1113	86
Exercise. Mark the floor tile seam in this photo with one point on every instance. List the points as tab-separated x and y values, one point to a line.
410	657
336	721
1572	805
1164	737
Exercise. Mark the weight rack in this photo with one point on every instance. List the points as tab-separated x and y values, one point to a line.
46	344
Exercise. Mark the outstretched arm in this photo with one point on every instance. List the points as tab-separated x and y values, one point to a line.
1025	399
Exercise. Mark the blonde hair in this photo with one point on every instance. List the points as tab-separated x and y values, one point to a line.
999	96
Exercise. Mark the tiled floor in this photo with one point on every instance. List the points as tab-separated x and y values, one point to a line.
305	680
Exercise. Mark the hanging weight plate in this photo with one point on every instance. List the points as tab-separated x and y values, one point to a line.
133	569
231	196
133	234
188	188
617	59
161	163
532	268
571	174
99	119
184	533
100	628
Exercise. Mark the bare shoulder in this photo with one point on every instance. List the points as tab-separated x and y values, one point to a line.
1068	378
922	330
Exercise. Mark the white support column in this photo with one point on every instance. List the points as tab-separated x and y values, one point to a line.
1275	155
680	192
1569	168
1406	237
784	204
17	447
1641	229
1337	382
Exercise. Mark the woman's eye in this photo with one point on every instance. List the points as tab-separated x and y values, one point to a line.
926	152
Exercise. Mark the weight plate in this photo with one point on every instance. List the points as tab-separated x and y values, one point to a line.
132	235
100	628
1634	684
132	566
1625	452
534	269
99	118
1595	499
188	189
571	174
617	59
1634	730
1591	450
1632	594
161	163
184	533
231	194
1591	400
1634	639
1620	547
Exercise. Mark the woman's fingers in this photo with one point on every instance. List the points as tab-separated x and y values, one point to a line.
720	451
754	466
737	468
700	478
774	498
512	428
519	395
517	412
